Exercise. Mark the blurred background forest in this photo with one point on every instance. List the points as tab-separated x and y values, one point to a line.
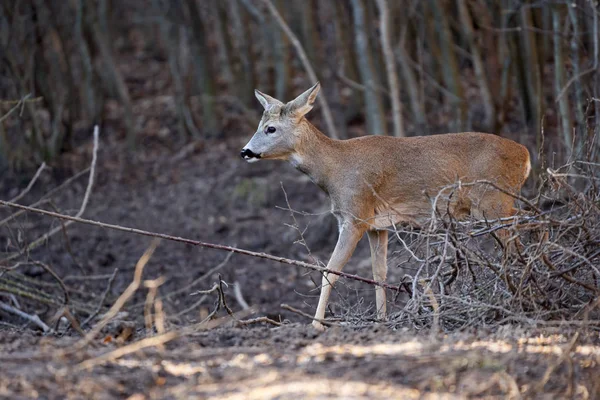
186	69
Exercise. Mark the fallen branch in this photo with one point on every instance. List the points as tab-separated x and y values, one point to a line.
155	341
32	318
131	289
198	243
302	313
258	320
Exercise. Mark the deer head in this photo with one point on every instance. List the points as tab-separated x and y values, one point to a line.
279	131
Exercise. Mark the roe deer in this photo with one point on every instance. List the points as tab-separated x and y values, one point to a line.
376	181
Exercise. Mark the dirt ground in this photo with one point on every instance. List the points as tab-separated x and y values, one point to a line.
206	192
295	361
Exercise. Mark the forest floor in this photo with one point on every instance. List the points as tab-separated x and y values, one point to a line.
206	192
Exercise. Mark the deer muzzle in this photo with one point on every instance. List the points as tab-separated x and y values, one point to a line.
249	155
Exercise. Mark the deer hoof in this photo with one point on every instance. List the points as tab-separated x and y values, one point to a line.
318	326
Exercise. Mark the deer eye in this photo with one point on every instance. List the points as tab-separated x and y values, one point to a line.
271	129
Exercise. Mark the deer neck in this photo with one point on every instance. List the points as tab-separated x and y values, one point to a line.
314	156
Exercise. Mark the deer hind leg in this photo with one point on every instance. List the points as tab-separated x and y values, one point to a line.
349	236
378	241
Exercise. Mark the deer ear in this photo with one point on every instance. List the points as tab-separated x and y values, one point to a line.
302	104
266	100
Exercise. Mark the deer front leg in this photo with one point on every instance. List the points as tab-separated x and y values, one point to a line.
347	240
378	241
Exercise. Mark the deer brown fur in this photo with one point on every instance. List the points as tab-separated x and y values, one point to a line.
377	181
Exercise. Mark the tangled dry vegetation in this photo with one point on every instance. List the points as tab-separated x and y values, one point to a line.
548	274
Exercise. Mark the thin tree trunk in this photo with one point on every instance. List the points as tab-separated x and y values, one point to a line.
504	85
411	82
486	94
596	81
245	78
376	123
172	36
307	66
203	71
531	66
87	70
390	66
559	74
282	67
576	74
329	26
347	65
449	65
223	59
309	33
112	74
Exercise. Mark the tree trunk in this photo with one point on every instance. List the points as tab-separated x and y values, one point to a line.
559	81
281	60
449	65
329	26
245	78
204	78
307	66
390	66
486	94
375	116
579	116
223	58
530	65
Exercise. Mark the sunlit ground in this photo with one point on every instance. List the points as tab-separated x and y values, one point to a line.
293	362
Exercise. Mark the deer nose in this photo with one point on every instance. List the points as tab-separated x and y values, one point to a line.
247	153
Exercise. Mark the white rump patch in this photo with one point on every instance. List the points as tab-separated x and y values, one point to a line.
528	168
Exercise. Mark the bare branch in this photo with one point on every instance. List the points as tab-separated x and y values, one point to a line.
266	256
32	318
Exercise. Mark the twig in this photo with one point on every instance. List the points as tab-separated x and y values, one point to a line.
62	285
296	227
258	320
567	277
551	368
131	289
300	312
266	256
570	82
199	279
213	289
23	100
84	203
149	317
222	296
30	185
238	296
154	341
45	197
102	299
33	318
130	348
16	107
